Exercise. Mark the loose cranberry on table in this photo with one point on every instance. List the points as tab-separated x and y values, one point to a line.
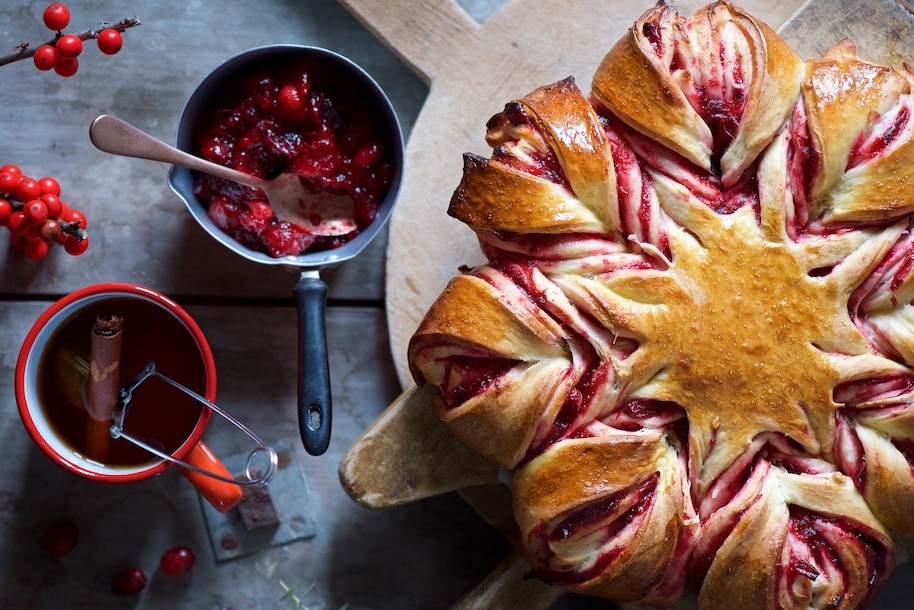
60	538
297	120
129	581
177	560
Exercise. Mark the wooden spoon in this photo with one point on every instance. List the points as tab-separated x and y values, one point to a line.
317	213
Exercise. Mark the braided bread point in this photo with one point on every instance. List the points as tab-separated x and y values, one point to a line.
867	165
702	100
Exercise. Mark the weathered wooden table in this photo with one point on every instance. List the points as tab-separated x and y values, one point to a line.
423	555
420	556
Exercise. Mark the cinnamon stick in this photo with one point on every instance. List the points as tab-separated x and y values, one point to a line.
104	382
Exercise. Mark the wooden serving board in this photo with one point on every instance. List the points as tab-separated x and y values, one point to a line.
472	70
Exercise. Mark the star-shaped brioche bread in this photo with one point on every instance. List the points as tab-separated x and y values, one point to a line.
692	344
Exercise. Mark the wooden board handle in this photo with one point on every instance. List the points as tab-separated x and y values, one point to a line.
507	587
407	454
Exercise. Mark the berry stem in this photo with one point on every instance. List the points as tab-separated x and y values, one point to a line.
24	49
73	228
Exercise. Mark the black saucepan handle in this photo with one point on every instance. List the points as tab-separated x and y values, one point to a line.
313	368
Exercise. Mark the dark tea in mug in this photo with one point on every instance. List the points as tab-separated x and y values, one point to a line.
159	414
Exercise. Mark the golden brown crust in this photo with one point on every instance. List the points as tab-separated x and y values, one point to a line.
596	469
580	143
635	82
632	83
834	495
472	312
889	479
501	424
842	95
705	285
611	465
477	315
745	570
493	195
742	574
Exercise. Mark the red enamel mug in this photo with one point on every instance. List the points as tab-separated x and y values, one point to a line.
162	413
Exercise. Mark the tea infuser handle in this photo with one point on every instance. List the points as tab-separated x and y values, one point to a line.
313	368
219	492
201	461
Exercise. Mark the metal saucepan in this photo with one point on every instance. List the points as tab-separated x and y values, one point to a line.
314	401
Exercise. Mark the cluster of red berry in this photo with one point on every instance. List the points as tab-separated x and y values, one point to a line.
36	217
31	209
61	538
62	55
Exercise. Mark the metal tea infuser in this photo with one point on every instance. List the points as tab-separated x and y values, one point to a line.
255	474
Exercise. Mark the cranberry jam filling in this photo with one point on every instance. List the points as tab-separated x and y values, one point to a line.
468	377
518	145
291	118
822	535
639	414
721	99
610	516
568	422
871	145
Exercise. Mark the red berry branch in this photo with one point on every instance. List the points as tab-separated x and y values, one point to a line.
32	209
36	216
61	52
